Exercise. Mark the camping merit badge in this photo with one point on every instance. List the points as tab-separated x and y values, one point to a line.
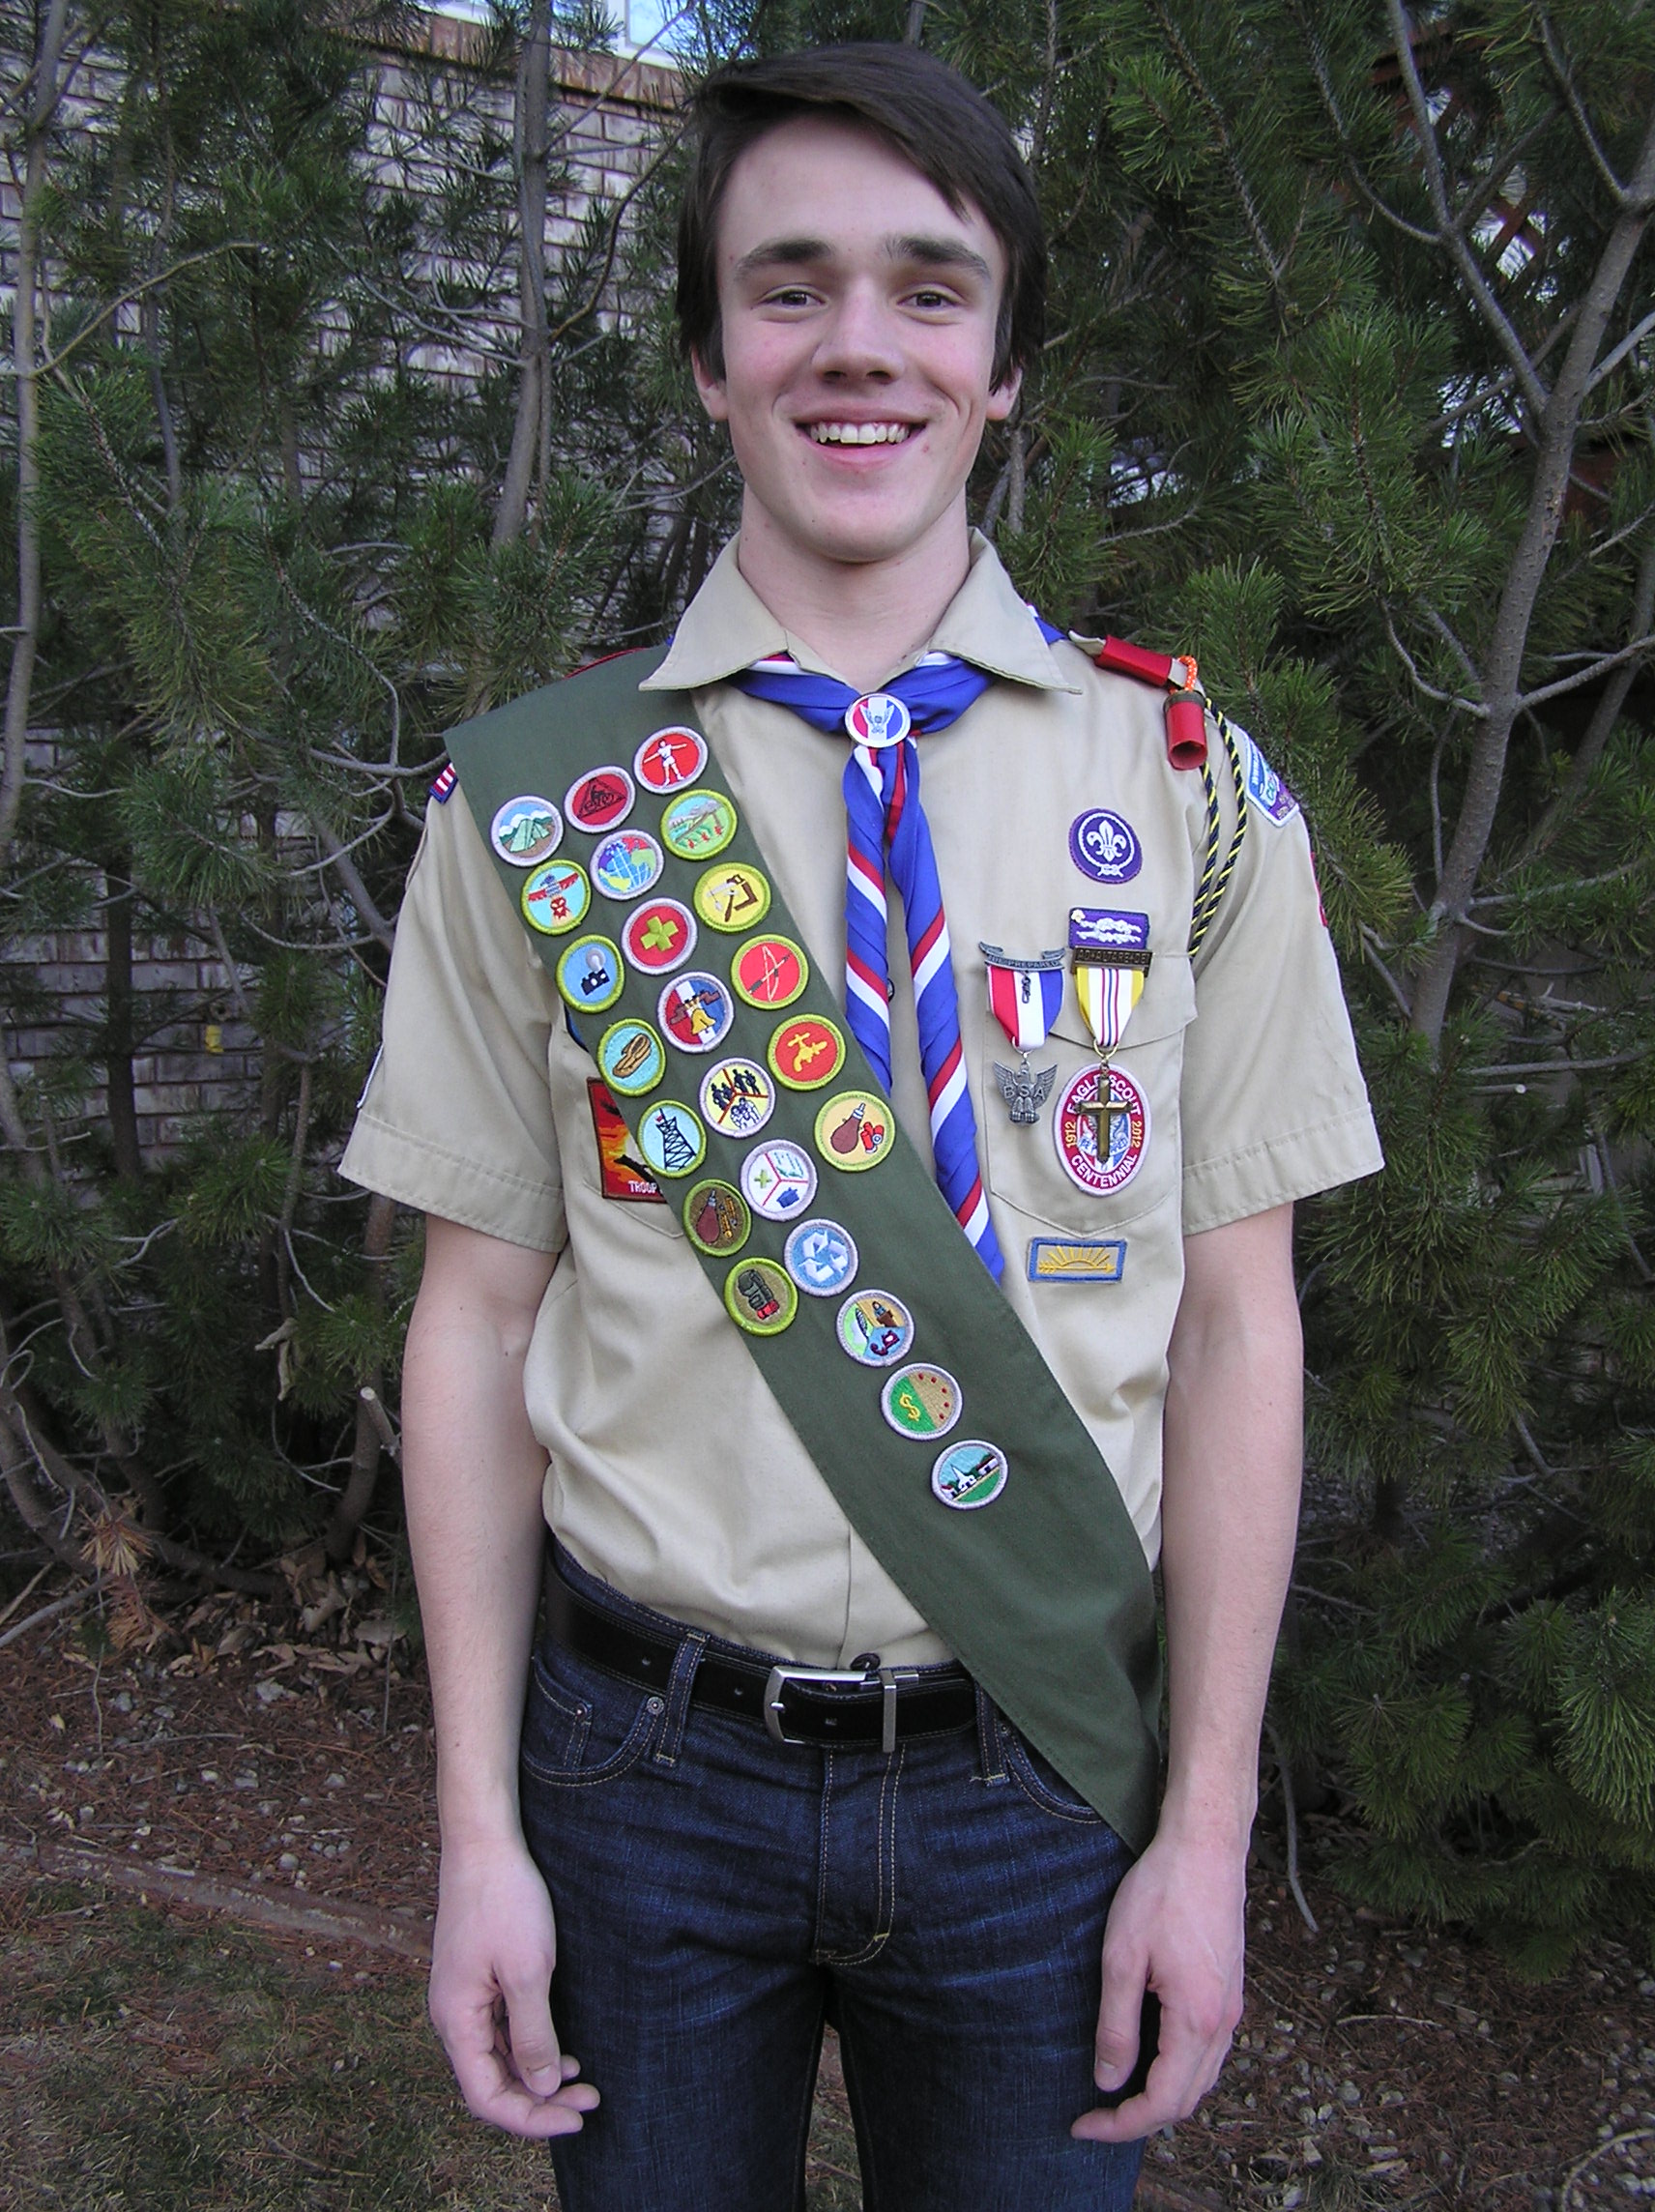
1109	954
1025	998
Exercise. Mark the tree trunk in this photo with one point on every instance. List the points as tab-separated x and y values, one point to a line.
118	1027
534	70
358	1494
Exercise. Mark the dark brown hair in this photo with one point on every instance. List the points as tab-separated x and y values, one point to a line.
924	111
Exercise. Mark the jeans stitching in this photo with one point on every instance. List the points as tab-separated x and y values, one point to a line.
636	1743
1023	1774
575	1712
822	1847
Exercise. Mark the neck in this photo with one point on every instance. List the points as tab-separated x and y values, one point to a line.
861	617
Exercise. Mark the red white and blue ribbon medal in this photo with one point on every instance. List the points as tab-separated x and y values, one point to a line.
1109	955
1025	997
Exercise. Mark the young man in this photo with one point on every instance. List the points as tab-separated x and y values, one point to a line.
736	1847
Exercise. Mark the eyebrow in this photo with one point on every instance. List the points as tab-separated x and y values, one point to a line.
930	252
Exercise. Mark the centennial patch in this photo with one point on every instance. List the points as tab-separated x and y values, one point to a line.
921	1401
631	1057
1074	1260
696	1011
769	972
1100	1149
698	824
671	1139
821	1257
855	1130
878	720
874	1327
668	759
716	1217
970	1473
1265	790
590	973
806	1052
761	1298
1104	845
736	1097
600	800
526	830
778	1179
733	895
619	1173
555	897
627	864
659	936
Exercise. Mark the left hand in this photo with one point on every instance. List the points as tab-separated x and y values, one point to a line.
1175	1927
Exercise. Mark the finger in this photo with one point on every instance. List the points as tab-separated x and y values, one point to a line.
531	2039
1120	2012
1185	2068
475	2041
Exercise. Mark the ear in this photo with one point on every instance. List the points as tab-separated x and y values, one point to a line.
1004	397
713	396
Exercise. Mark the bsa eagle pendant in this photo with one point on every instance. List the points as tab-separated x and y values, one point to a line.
1025	1091
1025	997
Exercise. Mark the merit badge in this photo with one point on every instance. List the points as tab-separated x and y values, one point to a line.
627	864
1025	998
855	1130
878	720
1264	787
620	1174
555	897
671	1139
970	1473
590	973
761	1297
526	830
696	1011
1065	1259
659	936
698	824
921	1401
736	1097
1101	1140
770	971
631	1057
778	1179
821	1257
1104	846
598	801
669	759
874	1329
806	1052
716	1218
733	896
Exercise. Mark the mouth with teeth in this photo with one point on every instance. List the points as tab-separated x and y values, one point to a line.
859	433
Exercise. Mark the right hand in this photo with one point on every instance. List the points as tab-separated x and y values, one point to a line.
492	1955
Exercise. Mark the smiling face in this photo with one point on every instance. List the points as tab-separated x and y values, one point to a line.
857	312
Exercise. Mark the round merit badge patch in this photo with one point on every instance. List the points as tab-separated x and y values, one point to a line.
669	759
659	936
627	864
671	1139
732	895
716	1217
1100	1152
875	1328
590	973
600	800
698	824
1104	845
855	1130
760	1297
769	972
736	1097
696	1011
970	1473
806	1052
921	1401
631	1058
526	830
821	1257
778	1179
555	897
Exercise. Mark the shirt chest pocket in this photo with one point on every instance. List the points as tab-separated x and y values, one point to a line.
1078	1173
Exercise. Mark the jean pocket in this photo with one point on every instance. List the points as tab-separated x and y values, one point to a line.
583	1740
1040	1781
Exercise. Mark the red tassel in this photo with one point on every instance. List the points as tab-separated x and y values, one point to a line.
1186	730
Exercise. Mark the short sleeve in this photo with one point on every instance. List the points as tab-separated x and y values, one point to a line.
1274	1106
457	1119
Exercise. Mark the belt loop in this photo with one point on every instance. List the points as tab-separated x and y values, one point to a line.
688	1658
989	1750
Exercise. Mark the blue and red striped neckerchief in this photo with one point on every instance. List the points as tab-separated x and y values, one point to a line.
886	827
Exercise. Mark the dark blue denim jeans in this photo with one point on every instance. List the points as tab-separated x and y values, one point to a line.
717	1897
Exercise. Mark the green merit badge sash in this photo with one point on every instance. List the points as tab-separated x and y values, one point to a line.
934	1420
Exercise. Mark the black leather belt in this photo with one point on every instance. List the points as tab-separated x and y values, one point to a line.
797	1704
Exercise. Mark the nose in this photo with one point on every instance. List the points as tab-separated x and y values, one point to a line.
862	337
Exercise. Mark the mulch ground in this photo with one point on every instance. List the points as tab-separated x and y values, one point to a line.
288	1786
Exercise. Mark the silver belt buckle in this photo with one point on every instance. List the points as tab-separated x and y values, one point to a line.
885	1677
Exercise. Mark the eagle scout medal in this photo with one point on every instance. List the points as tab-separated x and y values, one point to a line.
1100	1152
921	1401
806	1052
968	1474
555	897
698	824
627	864
631	1057
821	1257
696	1011
769	972
1104	845
671	1139
761	1297
1109	954
1025	997
878	720
733	897
874	1329
716	1217
736	1097
619	1173
526	830
778	1179
590	973
855	1130
600	800
659	936
669	759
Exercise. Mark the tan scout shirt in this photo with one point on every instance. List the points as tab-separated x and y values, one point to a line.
672	1472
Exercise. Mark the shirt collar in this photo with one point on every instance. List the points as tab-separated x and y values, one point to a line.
726	626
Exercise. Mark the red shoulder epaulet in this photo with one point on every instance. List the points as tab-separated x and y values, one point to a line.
1177	673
